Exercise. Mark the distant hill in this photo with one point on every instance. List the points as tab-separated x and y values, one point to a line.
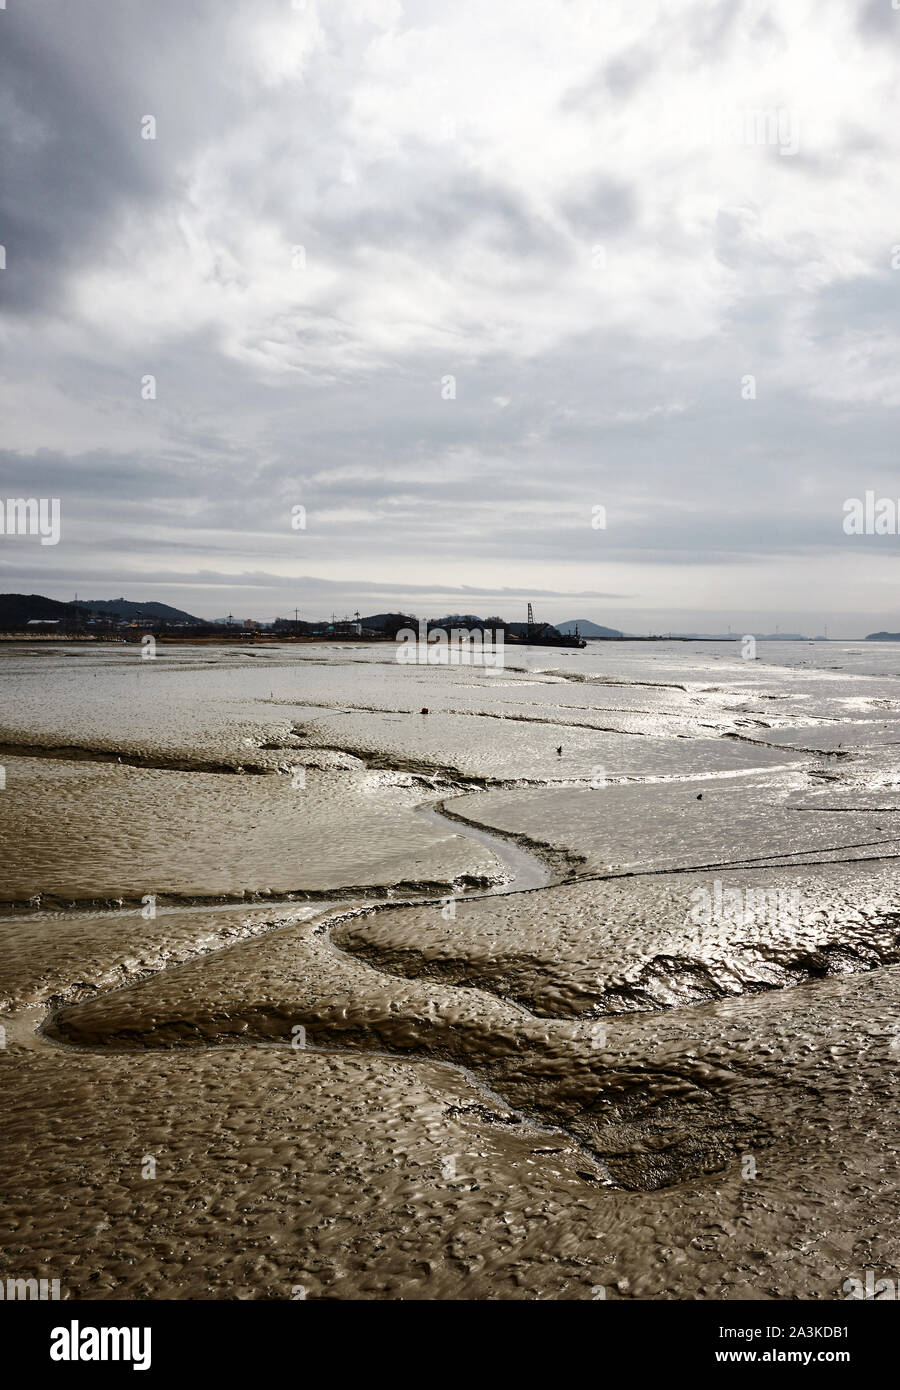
390	623
17	610
587	628
126	608
883	637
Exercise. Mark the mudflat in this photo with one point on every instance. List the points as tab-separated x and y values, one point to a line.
584	984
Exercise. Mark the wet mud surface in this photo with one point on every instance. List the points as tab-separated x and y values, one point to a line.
451	1013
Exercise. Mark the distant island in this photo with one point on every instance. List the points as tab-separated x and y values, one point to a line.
883	637
586	628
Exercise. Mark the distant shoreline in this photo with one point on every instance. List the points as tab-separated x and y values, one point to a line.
261	638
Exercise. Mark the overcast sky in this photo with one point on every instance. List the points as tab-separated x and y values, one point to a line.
599	219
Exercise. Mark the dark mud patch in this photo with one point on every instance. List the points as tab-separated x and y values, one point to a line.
74	752
646	1143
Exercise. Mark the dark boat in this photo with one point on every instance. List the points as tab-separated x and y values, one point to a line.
545	635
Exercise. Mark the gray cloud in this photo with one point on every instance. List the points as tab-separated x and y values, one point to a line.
447	183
